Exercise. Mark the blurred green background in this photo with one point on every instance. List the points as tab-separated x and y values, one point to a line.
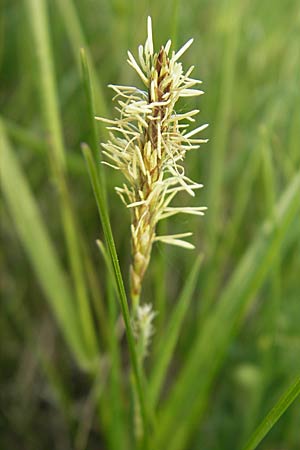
64	375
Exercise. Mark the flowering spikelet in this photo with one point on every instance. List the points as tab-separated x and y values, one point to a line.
147	143
143	327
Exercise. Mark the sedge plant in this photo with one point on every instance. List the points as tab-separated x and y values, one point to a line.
247	304
147	142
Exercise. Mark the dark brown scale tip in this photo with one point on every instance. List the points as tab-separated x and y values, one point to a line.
159	61
168	87
162	60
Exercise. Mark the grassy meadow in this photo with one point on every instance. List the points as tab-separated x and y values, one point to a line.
223	369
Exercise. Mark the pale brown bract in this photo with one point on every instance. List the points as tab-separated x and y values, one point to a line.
147	143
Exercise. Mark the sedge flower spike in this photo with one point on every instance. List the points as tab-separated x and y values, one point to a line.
147	143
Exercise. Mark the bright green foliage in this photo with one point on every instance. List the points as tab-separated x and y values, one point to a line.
223	369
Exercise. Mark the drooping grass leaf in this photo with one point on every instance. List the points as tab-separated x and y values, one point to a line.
28	139
39	248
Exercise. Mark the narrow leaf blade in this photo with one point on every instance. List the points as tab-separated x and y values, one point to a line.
287	398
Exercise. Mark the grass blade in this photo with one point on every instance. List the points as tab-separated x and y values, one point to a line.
77	40
28	139
271	309
98	183
37	13
38	246
89	96
160	273
184	406
117	420
274	415
224	248
223	120
38	17
88	87
119	280
171	335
